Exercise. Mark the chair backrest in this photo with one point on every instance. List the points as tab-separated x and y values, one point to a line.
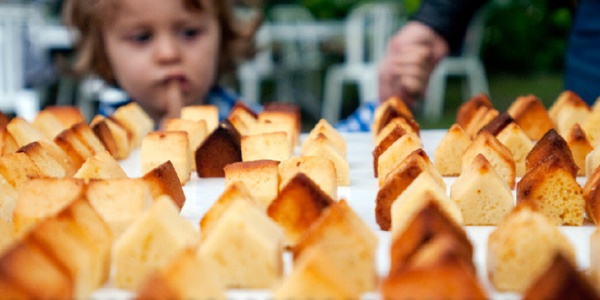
12	31
14	20
368	28
297	53
475	33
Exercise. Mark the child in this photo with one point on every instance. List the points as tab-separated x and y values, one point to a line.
163	54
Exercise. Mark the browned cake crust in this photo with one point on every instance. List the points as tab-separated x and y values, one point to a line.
26	268
450	278
467	110
297	206
430	223
103	133
3	120
551	144
394	135
561	281
291	108
7	142
67	115
529	112
498	123
580	147
591	195
552	190
398	180
391	109
163	180
219	149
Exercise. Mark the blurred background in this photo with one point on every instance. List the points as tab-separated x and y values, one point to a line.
320	54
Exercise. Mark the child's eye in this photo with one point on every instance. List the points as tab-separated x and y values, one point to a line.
140	38
190	33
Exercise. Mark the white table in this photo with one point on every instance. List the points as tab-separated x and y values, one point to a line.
361	194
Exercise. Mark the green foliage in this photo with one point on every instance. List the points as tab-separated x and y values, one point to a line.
526	36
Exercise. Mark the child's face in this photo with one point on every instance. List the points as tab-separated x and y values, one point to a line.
159	52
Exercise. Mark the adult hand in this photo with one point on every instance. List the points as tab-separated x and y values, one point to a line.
412	54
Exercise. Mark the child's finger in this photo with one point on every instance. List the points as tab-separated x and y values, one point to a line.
174	101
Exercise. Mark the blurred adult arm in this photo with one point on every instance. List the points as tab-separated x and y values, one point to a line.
437	29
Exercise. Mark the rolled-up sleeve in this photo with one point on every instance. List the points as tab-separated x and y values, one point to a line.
449	18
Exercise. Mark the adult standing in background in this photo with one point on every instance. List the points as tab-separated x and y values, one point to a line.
438	29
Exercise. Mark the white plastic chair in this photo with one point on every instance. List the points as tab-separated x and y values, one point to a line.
252	73
299	54
368	28
14	96
467	65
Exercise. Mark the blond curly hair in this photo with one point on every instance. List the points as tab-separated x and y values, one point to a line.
87	18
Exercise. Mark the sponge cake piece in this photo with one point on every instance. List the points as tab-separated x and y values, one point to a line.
561	280
282	120
385	142
321	146
7	142
398	151
209	113
18	168
234	192
448	154
219	149
40	198
196	130
351	244
187	276
320	170
398	180
48	166
567	110
8	200
23	132
483	196
28	272
135	120
158	236
313	276
268	145
580	146
521	248
448	276
258	248
551	189
430	223
591	127
420	191
52	120
519	144
119	209
466	112
298	205
62	239
159	147
495	152
100	166
323	127
163	180
531	115
552	144
390	109
115	138
242	117
261	177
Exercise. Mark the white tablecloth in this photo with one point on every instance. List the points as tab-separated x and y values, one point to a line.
201	193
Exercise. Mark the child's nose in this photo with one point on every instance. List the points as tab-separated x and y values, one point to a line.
167	50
